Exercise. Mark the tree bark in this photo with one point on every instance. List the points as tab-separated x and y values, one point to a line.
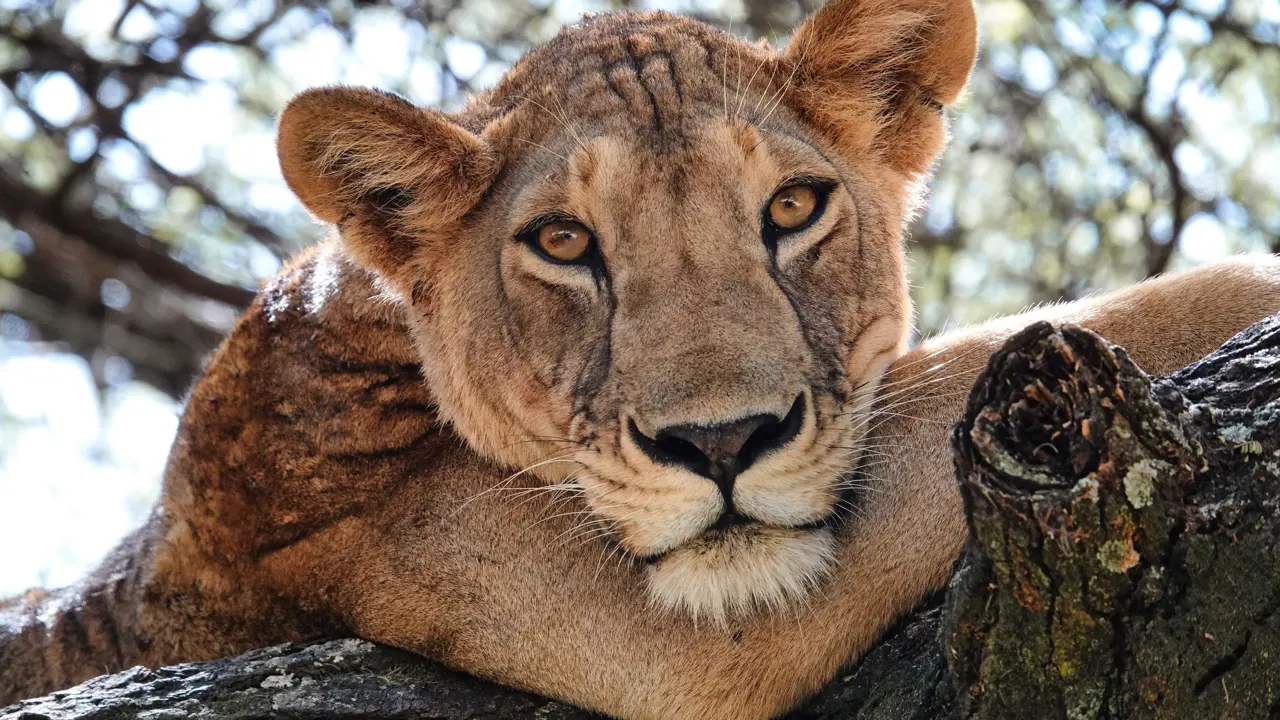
1121	564
1122	561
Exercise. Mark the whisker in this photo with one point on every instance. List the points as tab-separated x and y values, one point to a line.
742	98
533	493
511	478
876	414
966	354
782	92
610	525
589	532
768	84
915	382
542	438
896	395
930	357
544	147
737	89
564	115
885	445
571	513
597	521
724	78
604	559
562	121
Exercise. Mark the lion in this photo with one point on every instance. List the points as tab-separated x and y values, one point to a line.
600	387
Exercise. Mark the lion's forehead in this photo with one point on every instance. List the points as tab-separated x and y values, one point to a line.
654	74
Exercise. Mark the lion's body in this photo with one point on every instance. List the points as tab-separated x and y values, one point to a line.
344	465
311	492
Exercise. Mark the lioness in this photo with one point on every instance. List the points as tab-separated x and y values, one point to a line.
599	386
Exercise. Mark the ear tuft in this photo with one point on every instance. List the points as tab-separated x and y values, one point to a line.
878	72
396	170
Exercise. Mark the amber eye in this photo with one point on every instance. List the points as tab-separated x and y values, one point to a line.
793	206
564	240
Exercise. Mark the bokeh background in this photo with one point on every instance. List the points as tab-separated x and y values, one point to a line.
140	202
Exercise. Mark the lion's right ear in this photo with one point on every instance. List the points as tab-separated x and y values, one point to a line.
877	73
386	171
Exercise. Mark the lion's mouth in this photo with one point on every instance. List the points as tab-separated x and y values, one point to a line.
730	519
733	526
734	519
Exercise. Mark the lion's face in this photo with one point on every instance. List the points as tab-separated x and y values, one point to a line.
663	280
707	368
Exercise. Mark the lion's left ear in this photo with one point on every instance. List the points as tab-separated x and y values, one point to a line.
387	172
877	73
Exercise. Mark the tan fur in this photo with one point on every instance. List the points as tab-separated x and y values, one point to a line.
314	491
630	123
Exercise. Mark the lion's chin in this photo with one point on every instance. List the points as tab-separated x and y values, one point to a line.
741	570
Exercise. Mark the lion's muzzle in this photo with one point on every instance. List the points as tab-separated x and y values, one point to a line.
722	452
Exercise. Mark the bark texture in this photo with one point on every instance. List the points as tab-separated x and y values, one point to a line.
1123	559
335	679
1122	564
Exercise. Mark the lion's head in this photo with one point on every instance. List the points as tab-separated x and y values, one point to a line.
661	264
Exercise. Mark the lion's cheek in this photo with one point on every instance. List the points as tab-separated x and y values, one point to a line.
649	521
787	500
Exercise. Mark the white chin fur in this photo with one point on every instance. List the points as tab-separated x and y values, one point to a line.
744	569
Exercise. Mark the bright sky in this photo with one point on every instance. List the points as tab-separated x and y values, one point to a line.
75	475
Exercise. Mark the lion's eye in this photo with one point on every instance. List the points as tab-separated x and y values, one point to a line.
564	240
792	207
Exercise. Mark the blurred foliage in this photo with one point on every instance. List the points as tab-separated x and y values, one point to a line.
140	203
1102	143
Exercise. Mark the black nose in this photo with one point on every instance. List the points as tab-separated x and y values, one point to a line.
722	452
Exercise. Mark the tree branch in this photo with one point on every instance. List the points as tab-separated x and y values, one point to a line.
23	206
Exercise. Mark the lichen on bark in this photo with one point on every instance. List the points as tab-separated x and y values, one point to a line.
1135	575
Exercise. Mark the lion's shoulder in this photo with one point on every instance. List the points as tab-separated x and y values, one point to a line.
314	404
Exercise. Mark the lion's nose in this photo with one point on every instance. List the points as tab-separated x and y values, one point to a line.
721	452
